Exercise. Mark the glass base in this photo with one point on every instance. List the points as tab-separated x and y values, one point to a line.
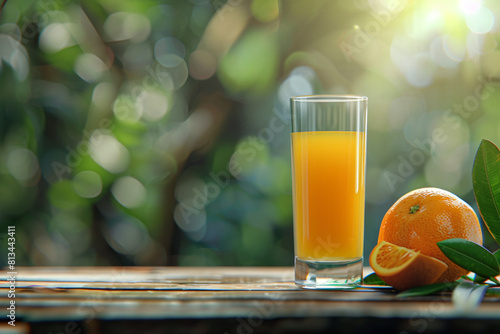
328	274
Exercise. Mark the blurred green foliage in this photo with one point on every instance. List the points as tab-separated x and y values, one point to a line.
157	132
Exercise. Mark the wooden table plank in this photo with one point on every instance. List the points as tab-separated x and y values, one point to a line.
154	294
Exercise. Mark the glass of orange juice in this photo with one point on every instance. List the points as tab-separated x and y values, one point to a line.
328	170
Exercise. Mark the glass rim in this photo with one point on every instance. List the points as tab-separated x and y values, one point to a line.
329	98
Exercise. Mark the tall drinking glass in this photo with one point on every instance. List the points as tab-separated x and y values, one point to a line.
328	169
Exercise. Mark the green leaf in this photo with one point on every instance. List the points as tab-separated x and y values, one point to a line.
480	279
470	256
493	292
467	296
373	279
486	184
427	289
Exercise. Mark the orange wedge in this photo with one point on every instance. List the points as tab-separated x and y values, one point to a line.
404	268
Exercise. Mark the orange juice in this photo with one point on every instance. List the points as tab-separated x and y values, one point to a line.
328	190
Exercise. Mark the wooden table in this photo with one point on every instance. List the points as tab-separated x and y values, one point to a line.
221	300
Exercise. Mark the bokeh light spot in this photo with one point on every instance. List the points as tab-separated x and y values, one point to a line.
56	37
87	184
127	236
174	76
127	26
297	83
202	64
125	109
102	95
193	194
129	192
420	72
250	153
189	191
170	60
265	10
454	48
89	67
22	164
108	152
190	219
12	30
434	15
481	22
14	54
152	105
470	6
169	46
439	55
480	44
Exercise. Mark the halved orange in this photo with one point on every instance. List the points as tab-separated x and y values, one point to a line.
404	268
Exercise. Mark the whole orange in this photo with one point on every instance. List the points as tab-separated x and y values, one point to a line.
425	216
